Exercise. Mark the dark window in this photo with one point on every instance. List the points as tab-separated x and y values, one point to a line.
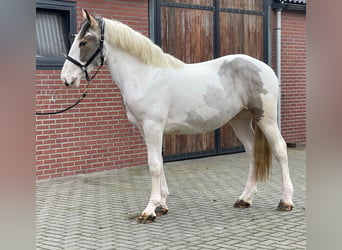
55	26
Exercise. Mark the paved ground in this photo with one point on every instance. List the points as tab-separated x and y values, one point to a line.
98	211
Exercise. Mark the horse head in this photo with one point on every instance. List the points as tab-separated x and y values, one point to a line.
85	53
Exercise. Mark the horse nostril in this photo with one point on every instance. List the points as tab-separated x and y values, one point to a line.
66	83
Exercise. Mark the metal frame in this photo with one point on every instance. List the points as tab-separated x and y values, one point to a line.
68	7
217	54
155	34
188	6
188	156
266	31
241	11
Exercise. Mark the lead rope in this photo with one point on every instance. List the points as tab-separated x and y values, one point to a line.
70	107
79	99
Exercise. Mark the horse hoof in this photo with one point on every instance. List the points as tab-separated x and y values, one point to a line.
143	218
283	206
161	211
241	204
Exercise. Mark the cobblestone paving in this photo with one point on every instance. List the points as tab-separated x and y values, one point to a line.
98	211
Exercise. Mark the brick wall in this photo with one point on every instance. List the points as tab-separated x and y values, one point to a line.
95	135
293	75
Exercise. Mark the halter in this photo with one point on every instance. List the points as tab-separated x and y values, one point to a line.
83	67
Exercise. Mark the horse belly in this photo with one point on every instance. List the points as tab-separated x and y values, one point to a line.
194	125
200	119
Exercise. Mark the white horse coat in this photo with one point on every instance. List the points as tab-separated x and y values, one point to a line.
163	95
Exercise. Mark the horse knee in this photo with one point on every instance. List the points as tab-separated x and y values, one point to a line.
155	167
154	172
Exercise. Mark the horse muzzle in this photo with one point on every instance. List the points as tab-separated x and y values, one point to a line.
73	82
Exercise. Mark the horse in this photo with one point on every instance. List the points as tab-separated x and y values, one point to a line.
163	95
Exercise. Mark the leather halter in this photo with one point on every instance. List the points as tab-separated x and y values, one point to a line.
84	67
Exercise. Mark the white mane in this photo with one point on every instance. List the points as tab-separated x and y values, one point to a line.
122	36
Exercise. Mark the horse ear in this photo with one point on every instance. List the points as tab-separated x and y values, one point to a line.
91	20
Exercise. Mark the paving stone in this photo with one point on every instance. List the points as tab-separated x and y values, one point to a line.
95	211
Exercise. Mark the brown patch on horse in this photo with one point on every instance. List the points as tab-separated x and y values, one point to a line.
88	42
244	76
88	48
90	19
84	28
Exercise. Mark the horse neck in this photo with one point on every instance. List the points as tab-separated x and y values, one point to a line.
124	67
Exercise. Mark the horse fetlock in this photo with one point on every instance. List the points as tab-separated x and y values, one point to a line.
250	190
163	200
248	195
288	190
288	194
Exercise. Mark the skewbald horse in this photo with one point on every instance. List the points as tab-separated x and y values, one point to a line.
163	95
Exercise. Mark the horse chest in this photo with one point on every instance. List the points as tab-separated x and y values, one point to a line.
144	105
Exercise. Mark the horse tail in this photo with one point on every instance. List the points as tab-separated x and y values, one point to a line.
262	156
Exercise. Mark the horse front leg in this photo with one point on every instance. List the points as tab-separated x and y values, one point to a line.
153	134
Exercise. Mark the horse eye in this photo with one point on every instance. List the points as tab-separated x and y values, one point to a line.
83	43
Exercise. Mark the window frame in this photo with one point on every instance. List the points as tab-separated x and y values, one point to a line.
56	63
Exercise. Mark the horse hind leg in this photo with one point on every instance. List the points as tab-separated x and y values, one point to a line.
270	129
242	126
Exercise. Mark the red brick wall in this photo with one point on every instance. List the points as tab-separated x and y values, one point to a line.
95	135
293	75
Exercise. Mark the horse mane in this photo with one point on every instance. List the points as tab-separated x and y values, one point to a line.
122	36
